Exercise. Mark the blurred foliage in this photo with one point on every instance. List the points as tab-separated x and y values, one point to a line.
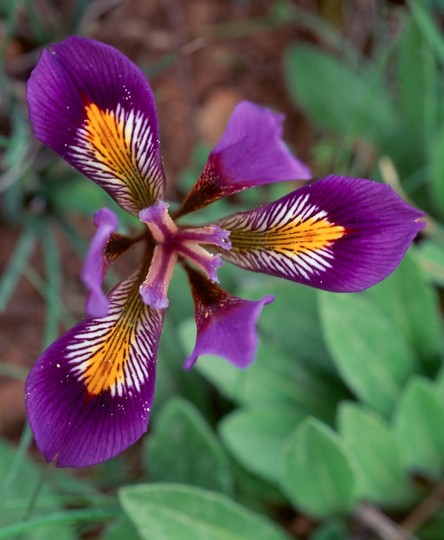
337	430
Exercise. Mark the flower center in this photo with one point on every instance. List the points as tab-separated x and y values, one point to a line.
174	243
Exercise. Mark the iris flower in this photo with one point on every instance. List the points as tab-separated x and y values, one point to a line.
90	394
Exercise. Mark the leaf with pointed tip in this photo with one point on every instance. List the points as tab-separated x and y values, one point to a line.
317	474
203	461
171	511
419	421
368	349
380	474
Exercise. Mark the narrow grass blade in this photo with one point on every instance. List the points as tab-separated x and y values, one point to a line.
60	518
17	262
53	281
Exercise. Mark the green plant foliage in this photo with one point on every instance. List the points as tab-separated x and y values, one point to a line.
431	257
183	449
343	408
17	503
370	352
292	363
437	172
338	97
317	474
256	437
412	305
164	512
418	426
123	529
380	474
332	530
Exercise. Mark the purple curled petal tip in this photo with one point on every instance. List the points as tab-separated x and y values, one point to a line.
250	153
226	324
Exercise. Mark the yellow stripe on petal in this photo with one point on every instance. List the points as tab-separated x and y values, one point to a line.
295	236
116	149
115	353
291	238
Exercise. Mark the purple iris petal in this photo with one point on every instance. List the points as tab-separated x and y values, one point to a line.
339	234
226	324
250	153
97	263
89	395
94	107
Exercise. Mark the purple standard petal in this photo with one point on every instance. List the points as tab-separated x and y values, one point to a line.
226	324
97	263
250	153
339	234
89	395
95	108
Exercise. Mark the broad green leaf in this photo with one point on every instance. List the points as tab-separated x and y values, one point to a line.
431	258
436	172
412	304
256	437
276	376
370	352
293	318
318	476
417	94
337	97
419	422
16	502
163	512
292	363
184	449
380	474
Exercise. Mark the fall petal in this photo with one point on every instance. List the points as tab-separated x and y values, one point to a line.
94	107
89	395
339	234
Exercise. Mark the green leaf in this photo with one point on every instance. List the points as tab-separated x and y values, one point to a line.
419	422
292	363
17	262
201	461
431	257
436	171
317	475
276	376
122	529
17	501
53	275
337	97
332	530
43	527
412	304
163	512
256	437
367	347
417	93
380	474
293	318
